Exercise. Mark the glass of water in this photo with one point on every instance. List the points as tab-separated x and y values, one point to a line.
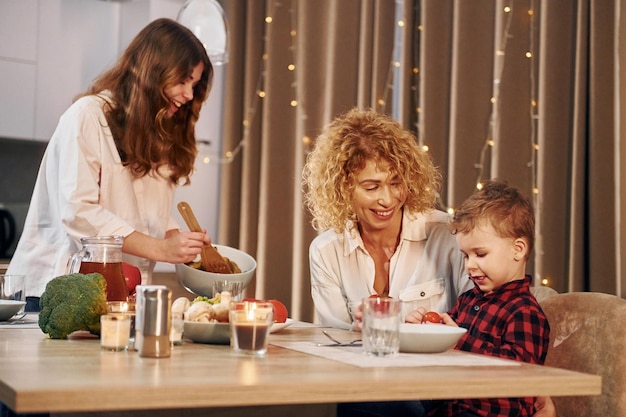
381	326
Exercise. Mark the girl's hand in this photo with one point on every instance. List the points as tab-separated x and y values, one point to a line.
183	247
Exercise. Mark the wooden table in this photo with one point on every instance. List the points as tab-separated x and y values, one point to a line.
39	374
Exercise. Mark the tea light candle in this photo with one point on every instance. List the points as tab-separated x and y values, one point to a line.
250	324
114	331
126	308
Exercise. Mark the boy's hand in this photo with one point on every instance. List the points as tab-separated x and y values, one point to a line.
544	407
447	320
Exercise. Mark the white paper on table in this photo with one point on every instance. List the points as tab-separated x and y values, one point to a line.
353	355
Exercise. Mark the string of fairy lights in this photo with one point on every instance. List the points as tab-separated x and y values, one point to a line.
394	71
259	92
494	119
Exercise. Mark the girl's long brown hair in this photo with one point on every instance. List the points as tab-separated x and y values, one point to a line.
163	54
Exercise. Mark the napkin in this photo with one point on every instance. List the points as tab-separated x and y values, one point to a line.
354	356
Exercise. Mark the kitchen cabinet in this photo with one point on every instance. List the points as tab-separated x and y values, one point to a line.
50	50
18	30
18	52
17	101
77	40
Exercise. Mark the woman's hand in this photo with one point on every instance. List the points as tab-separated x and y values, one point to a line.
356	310
415	316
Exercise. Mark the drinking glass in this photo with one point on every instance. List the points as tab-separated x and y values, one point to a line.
381	326
235	288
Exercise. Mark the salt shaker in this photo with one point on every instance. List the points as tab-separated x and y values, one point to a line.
156	322
139	310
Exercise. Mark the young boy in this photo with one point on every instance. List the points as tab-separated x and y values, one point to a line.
494	230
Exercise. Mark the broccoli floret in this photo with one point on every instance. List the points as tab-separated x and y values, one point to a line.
73	302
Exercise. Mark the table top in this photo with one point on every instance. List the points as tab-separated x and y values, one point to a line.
43	375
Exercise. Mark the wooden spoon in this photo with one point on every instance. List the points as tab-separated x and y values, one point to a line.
212	261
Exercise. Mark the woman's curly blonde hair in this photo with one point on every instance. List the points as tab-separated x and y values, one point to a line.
342	151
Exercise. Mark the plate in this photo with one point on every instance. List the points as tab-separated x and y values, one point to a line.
277	327
218	333
8	308
203	332
428	338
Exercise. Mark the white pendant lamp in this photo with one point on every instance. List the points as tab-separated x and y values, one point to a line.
205	18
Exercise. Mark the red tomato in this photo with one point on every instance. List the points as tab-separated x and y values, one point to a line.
431	317
381	304
280	310
132	276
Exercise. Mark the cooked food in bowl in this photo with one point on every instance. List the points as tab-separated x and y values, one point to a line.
201	282
428	338
232	265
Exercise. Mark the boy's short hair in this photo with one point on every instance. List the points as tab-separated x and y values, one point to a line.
509	212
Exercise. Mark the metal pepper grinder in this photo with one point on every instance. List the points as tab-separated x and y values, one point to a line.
156	322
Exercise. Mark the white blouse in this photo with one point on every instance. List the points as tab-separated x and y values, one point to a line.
426	269
83	190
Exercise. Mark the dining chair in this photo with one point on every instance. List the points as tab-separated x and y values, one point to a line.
541	292
588	334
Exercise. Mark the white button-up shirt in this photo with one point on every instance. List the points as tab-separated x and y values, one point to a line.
426	269
83	190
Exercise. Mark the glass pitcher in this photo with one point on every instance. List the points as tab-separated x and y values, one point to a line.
102	254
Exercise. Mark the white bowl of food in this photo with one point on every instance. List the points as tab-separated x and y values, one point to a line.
428	338
9	308
201	282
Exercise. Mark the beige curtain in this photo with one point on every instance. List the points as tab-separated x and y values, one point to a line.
524	90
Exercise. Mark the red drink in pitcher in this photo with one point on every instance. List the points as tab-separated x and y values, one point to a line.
102	254
112	273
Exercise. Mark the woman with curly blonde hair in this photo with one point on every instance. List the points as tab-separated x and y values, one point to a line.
372	190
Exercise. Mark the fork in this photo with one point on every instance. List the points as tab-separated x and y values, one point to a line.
355	342
212	261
